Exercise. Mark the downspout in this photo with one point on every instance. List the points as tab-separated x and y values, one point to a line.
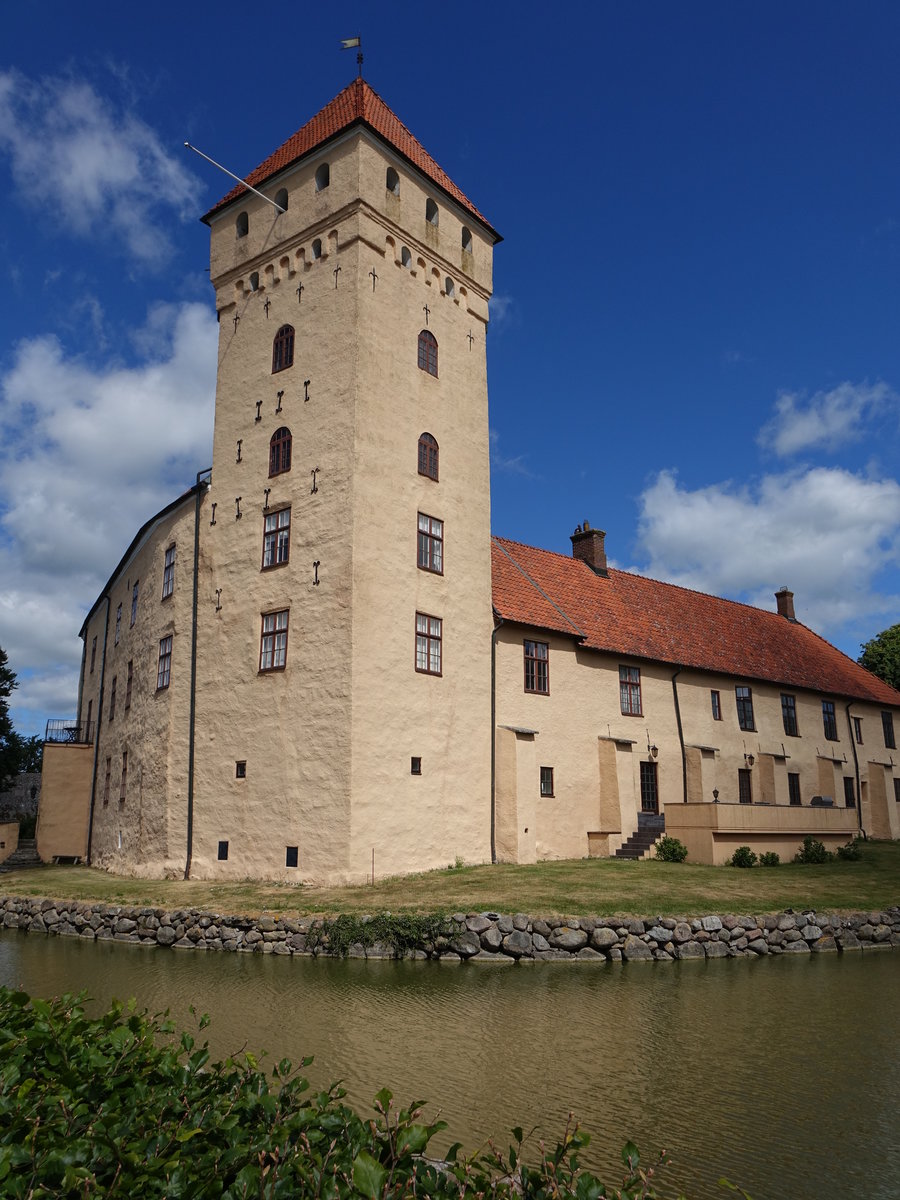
684	791
90	836
496	630
856	772
193	699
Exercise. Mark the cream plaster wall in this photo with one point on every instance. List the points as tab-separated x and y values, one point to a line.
62	824
9	839
712	832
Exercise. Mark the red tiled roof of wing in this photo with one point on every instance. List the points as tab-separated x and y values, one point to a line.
644	618
358	102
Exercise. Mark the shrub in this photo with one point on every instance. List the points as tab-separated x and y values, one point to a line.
769	859
403	932
669	849
743	857
851	852
813	852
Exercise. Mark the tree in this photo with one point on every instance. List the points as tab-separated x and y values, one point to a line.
10	745
881	656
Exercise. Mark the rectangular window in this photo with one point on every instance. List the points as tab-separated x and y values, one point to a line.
431	544
88	732
537	667
716	701
745	786
112	698
547	781
829	720
789	714
169	573
129	681
164	666
649	788
118	623
124	781
415	765
291	855
93	653
897	790
276	538
744	698
240	769
793	788
857	730
428	643
273	641
106	782
887	724
223	852
134	600
630	691
849	791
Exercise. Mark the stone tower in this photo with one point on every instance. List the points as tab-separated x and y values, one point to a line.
344	604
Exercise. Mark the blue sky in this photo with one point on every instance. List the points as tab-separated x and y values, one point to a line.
694	339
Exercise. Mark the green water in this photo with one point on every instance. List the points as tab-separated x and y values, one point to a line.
782	1073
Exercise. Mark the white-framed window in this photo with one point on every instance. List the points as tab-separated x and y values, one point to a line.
164	664
273	641
276	538
429	637
169	572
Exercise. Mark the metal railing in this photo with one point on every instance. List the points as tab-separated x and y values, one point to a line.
70	732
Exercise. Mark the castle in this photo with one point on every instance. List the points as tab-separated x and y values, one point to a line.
317	665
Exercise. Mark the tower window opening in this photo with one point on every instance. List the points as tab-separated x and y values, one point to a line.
449	287
254	281
283	349
431	212
428	456
281	199
405	257
317	248
392	181
467	240
428	352
242	225
323	177
280	451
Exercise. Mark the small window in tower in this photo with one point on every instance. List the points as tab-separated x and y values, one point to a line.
431	212
323	177
415	765
254	281
283	349
223	852
291	855
449	287
405	257
317	248
240	769
428	352
242	225
392	181
467	240
280	451
281	199
428	456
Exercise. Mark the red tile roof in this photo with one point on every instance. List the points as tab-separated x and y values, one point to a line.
356	104
642	618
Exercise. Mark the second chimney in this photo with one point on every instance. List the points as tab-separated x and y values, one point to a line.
784	598
587	546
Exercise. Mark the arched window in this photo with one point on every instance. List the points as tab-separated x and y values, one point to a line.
449	287
467	240
428	352
431	212
254	281
392	181
280	451
405	257
242	225
317	248
323	177
283	349
428	456
281	198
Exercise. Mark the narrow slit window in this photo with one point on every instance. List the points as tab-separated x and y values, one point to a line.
168	586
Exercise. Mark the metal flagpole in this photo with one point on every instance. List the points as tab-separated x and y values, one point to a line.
232	175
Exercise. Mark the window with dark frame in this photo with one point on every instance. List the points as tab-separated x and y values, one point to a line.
280	451
649	787
164	665
106	783
118	624
90	710
849	791
428	352
240	769
273	641
744	699
291	856
897	790
794	788
630	691
429	637
93	653
123	783
276	538
129	683
415	765
242	225
169	573
112	698
134	602
537	667
283	349
857	730
829	721
715	700
789	714
223	852
887	725
547	781
745	786
428	456
430	552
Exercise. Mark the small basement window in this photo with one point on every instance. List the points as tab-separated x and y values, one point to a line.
240	769
291	856
223	851
415	765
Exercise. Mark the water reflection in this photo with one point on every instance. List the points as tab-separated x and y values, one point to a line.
783	1073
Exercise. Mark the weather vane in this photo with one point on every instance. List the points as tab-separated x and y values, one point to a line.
354	43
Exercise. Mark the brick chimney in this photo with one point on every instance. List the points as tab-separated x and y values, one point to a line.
784	598
587	546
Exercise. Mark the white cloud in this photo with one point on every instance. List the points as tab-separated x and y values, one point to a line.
86	456
77	159
826	533
827	420
516	465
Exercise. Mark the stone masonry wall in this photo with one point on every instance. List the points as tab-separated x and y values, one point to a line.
477	937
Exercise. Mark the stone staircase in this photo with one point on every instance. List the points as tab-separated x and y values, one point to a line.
25	855
651	826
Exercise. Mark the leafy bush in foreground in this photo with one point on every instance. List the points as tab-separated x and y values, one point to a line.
770	858
124	1106
670	849
851	852
813	852
743	857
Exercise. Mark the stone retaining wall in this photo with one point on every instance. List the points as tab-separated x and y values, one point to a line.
477	937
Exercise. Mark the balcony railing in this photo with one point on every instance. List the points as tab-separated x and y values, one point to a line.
70	732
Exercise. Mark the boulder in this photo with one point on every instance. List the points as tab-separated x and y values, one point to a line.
636	950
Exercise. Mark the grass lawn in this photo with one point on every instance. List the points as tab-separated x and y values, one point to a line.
597	887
